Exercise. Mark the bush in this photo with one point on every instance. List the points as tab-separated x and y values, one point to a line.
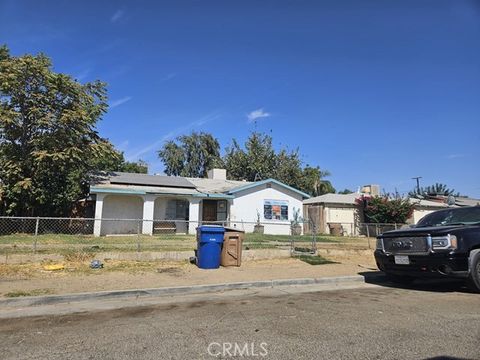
384	210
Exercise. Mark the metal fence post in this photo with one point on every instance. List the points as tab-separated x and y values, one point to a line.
368	235
37	221
139	225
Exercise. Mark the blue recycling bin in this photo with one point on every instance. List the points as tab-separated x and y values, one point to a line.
209	246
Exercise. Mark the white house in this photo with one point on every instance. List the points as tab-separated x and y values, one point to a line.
424	207
181	204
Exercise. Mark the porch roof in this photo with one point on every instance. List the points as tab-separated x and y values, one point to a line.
126	183
154	190
141	190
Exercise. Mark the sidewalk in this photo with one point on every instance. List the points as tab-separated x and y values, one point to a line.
31	279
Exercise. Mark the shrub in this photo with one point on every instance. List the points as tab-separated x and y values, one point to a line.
385	210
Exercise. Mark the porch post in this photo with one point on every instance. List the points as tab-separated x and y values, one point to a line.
193	215
148	209
97	226
230	216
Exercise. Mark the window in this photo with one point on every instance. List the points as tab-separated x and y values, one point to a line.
177	210
221	210
275	210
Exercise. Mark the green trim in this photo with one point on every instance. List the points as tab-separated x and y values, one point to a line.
96	190
263	182
168	193
213	196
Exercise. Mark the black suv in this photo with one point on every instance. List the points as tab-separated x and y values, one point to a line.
443	243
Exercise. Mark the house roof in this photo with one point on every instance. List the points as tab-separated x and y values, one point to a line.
149	180
128	183
465	201
350	199
427	203
345	199
216	185
251	185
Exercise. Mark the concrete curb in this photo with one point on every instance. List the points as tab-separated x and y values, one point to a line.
194	289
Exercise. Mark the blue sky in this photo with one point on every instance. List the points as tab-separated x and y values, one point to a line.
373	91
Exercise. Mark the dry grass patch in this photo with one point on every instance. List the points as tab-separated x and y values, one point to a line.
19	270
35	292
79	256
73	268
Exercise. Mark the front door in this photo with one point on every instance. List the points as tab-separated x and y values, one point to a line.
209	210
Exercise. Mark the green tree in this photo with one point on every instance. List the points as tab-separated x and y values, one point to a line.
260	156
191	155
288	168
259	161
235	161
48	140
346	191
114	160
313	181
139	167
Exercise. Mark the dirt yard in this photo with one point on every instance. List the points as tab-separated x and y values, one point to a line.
34	279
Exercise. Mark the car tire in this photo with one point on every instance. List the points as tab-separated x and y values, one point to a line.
400	279
474	275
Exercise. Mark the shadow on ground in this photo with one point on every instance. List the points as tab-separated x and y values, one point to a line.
430	285
445	358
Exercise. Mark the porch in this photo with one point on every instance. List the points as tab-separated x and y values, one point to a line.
151	214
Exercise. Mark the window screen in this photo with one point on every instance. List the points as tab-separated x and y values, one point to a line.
221	210
275	210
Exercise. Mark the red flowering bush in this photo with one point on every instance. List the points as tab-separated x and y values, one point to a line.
385	210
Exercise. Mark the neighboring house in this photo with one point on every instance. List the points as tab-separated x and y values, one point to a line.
181	204
465	201
329	209
424	207
334	209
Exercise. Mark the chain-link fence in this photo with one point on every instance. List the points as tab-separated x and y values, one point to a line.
52	235
361	229
60	235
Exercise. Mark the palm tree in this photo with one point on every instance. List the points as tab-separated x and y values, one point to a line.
437	189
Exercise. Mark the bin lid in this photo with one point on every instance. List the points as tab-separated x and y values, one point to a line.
229	228
211	228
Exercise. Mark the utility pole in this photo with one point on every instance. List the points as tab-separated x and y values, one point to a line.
418	183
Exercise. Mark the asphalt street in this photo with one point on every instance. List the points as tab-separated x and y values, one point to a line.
377	322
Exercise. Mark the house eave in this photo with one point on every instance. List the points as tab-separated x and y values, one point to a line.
99	190
213	196
268	181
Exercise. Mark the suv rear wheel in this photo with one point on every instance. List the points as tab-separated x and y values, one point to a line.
474	278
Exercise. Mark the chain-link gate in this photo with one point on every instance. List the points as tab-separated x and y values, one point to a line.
299	245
